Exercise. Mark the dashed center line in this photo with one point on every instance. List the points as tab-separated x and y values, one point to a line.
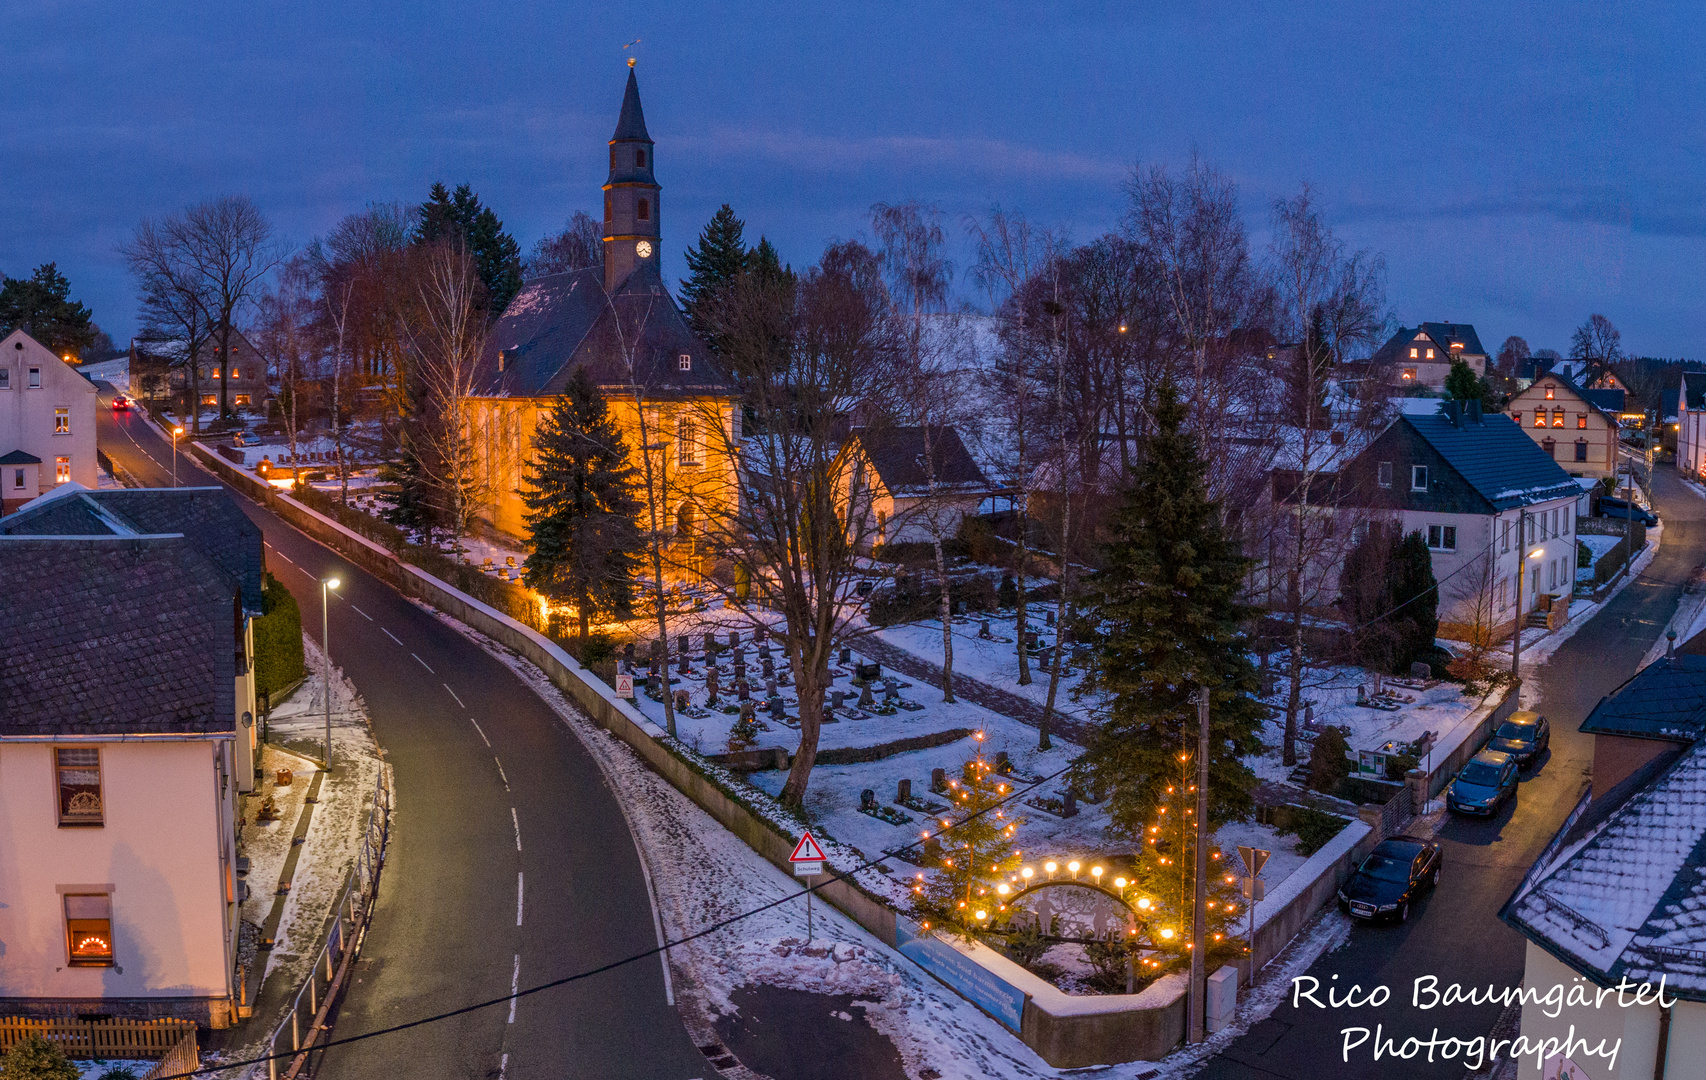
501	775
362	613
514	985
482	732
393	637
518	894
452	693
517	820
423	663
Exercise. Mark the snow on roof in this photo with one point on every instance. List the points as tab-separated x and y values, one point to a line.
1630	898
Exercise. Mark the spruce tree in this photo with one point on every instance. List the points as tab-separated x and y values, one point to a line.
977	852
41	305
581	507
414	508
1168	599
716	260
497	257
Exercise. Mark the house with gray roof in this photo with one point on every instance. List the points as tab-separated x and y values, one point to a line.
1481	492
127	732
1619	894
1420	356
907	484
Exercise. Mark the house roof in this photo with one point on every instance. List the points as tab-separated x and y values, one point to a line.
1664	700
1496	458
1608	403
19	457
897	454
1448	334
109	635
1629	897
1609	400
1694	389
207	518
560	322
1443	335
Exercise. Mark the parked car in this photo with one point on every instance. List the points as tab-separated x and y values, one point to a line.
1524	735
1613	507
1483	785
120	401
1391	878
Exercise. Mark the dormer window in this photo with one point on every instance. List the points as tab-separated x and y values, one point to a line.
685	363
640	158
645	211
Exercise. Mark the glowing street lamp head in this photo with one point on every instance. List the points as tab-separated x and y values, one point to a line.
1537	553
177	430
332	583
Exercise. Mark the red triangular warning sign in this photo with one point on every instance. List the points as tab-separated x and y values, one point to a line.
807	850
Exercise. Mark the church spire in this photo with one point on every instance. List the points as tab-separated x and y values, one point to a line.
631	194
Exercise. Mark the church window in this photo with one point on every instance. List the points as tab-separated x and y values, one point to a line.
640	159
645	211
687	440
686	362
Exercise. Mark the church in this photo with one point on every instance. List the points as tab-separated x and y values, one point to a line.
620	323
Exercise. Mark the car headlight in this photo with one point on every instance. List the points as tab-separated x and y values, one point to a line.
1388	907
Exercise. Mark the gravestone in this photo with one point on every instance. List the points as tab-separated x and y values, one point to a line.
743	692
865	699
711	687
983	630
1069	803
682	668
762	636
654	685
890	693
740	669
681	702
734	639
1309	718
748	711
776	706
739	654
938	780
770	688
1048	618
1419	670
764	650
846	656
1031	639
628	658
1003	764
959	607
768	665
867	800
903	791
837	698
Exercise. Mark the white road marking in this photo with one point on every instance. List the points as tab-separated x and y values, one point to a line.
452	693
514	985
422	663
501	775
482	732
518	906
651	894
513	817
362	613
503	1066
393	637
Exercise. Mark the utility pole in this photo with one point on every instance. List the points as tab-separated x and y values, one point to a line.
1199	968
1521	561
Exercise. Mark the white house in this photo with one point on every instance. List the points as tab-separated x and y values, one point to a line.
127	736
1691	424
906	484
47	422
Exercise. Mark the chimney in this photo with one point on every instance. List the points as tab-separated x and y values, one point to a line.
1454	413
1475	411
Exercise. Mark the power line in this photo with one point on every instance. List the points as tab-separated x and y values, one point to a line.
614	964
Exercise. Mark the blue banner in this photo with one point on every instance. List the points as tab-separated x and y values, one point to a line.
974	982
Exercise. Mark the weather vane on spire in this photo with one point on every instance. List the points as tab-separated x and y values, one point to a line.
628	46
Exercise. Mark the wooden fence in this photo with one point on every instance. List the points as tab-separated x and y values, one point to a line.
180	1059
113	1039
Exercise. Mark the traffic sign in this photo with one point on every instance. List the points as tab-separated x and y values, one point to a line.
1254	859
625	687
808	856
1254	888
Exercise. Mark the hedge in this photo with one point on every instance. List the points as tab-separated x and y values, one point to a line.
278	639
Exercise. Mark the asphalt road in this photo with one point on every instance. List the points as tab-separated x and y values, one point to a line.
1455	933
510	861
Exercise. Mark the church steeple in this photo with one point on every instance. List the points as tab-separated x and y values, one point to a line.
631	209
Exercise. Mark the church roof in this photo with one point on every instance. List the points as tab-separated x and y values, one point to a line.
631	125
561	322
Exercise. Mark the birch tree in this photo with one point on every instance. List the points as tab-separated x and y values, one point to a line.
446	343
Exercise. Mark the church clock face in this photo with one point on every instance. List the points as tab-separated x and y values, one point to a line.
643	249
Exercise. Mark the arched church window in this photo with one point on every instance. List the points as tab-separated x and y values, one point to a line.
640	158
684	522
645	211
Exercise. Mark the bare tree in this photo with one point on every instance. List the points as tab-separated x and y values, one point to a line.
286	329
446	345
1597	340
230	244
1512	354
176	302
806	354
578	246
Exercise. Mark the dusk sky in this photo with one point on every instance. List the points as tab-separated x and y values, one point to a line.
1519	165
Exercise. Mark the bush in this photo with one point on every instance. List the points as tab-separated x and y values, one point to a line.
918	553
278	639
1397	765
913	599
1007	596
34	1058
981	544
1327	761
1027	944
1313	828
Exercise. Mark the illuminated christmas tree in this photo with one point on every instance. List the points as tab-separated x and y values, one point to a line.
975	841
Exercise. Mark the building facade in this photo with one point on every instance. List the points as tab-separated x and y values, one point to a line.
904	485
1421	356
618	323
161	369
47	422
1691	424
1571	424
127	738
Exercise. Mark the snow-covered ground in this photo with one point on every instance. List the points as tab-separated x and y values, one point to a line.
702	874
995	660
1598	545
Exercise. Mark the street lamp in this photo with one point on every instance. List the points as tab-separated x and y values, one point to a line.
326	586
1516	633
177	429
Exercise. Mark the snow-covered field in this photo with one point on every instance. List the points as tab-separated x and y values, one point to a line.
994	660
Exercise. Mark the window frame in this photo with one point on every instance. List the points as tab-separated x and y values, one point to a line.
643	210
65	818
1442	538
1581	421
1383	474
1418	472
1581	449
5	378
34	381
687	443
62	469
61	421
94	925
1415	352
1410	374
684	362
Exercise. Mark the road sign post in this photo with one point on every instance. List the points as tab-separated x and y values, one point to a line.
625	687
1254	889
808	859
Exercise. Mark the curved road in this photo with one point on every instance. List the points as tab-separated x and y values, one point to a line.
510	860
1455	933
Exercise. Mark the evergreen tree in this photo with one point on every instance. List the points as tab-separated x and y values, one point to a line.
716	260
581	507
414	509
497	256
34	1058
41	306
1166	873
1388	594
1169	600
1311	374
977	853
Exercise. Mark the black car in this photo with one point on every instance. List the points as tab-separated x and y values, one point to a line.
1391	878
1524	735
1612	507
1483	785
